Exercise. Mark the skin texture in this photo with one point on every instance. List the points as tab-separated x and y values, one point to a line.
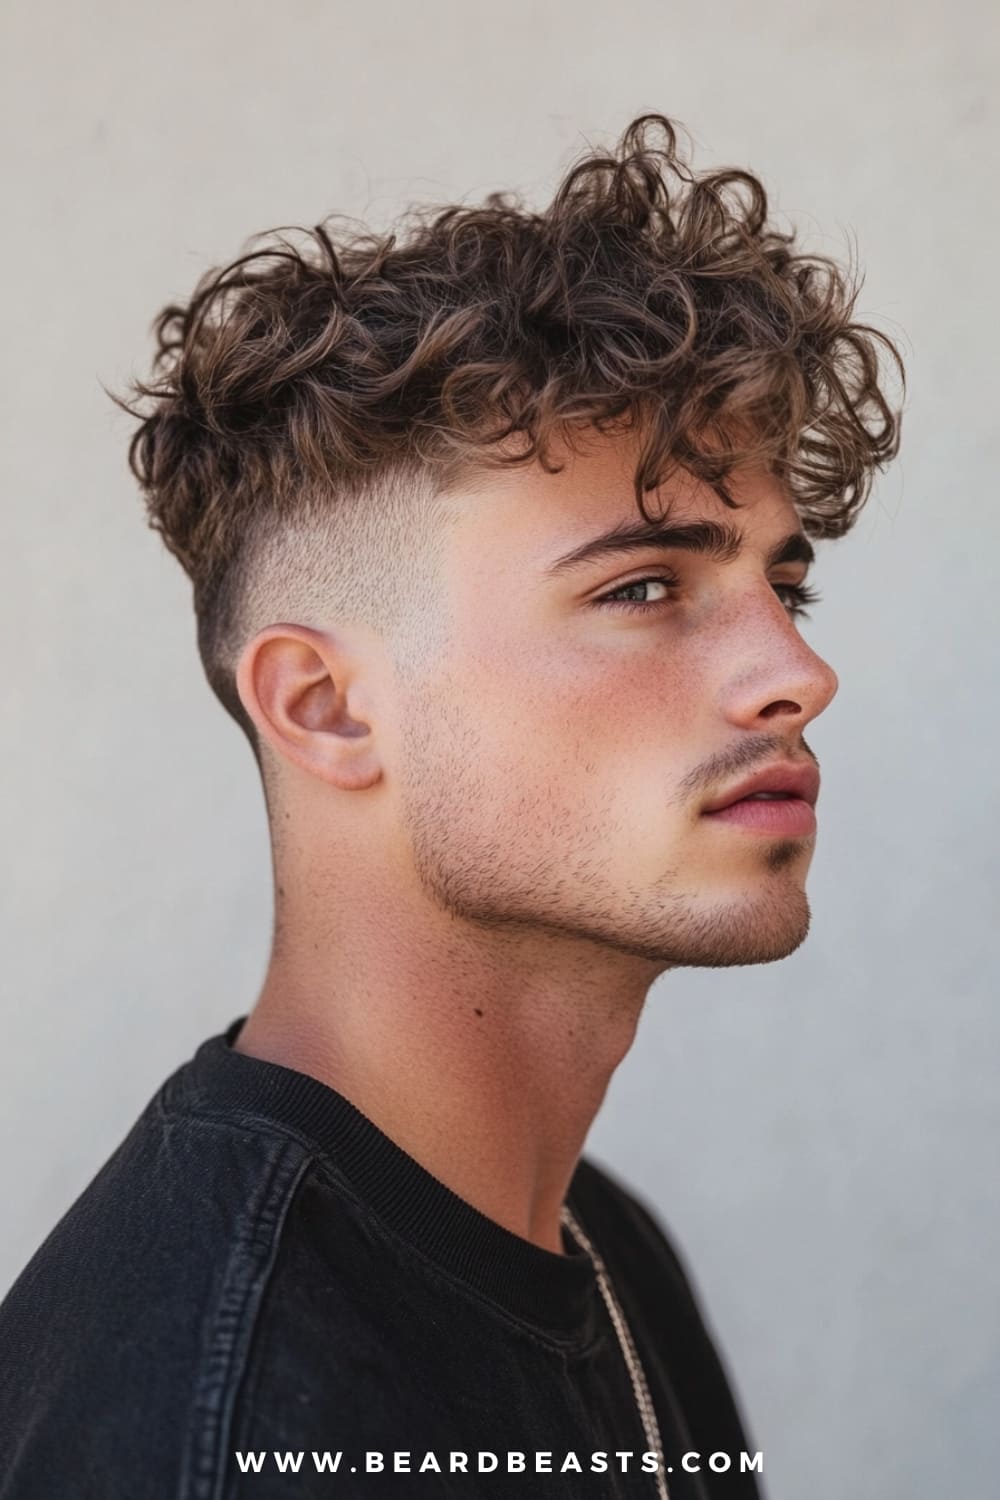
487	850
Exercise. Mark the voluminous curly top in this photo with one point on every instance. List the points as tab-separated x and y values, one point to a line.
310	372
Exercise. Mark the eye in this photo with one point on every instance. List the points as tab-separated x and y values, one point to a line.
795	596
665	581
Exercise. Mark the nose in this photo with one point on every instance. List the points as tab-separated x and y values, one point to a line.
776	678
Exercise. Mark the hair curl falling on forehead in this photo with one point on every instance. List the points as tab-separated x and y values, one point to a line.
317	374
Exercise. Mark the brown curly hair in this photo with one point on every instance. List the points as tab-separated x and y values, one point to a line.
312	399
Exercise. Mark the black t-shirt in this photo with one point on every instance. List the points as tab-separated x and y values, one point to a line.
259	1280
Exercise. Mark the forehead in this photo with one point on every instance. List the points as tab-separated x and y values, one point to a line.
528	517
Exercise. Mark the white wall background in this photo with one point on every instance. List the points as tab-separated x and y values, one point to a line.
821	1134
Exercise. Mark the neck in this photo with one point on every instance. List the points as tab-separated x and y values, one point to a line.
484	1054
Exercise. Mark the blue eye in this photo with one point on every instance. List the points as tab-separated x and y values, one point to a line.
795	596
609	600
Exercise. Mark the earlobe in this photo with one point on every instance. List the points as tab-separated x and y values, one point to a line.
296	685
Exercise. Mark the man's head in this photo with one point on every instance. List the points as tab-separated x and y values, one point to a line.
374	459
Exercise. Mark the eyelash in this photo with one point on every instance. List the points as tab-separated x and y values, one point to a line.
801	595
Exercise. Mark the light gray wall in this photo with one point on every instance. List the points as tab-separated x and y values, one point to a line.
820	1134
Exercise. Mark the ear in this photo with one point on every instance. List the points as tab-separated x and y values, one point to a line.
299	685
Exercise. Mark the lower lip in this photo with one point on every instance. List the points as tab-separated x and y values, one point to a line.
790	817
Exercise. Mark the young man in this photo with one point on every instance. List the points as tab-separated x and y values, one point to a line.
527	741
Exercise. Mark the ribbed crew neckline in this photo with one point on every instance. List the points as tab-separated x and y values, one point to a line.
558	1294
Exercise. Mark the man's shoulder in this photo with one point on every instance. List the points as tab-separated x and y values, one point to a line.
125	1331
173	1191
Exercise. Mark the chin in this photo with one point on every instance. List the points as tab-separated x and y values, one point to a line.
756	932
746	925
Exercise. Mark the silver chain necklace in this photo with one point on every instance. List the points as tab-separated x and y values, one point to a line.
640	1389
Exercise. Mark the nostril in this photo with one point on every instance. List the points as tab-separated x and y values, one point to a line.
781	705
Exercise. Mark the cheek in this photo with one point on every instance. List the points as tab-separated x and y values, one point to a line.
614	717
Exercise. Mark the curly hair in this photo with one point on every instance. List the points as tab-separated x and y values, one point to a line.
315	395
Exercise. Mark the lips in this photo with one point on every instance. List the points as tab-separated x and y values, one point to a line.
787	813
796	780
785	817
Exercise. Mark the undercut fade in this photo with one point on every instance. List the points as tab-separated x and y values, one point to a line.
314	399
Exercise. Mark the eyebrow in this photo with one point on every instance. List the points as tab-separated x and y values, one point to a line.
716	540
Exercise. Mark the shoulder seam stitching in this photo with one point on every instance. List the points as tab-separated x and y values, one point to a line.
232	1324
